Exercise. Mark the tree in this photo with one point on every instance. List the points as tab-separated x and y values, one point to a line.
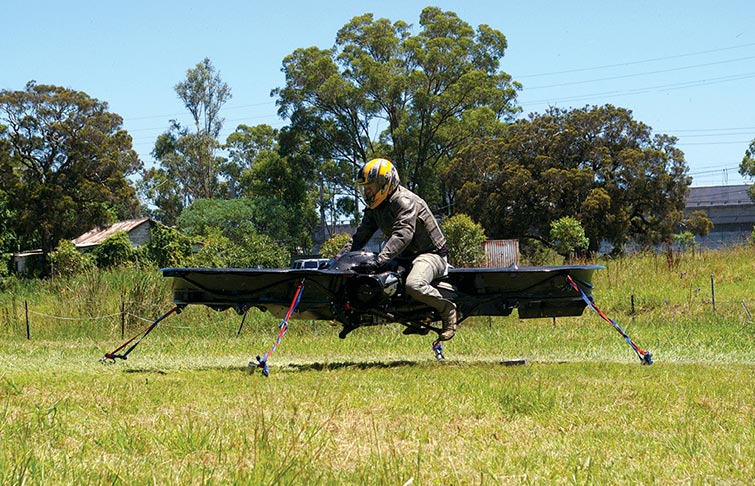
227	229
277	184
245	145
429	93
64	163
747	167
168	247
189	164
568	237
7	215
248	250
698	223
229	216
596	164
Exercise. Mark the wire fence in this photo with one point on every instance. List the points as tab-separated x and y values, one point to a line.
21	318
33	320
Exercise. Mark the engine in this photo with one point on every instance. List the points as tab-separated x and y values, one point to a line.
371	290
368	290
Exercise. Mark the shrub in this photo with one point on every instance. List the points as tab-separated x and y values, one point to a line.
568	236
686	241
465	241
168	247
115	251
332	247
67	260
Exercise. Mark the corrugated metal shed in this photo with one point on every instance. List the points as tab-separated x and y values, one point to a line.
502	253
137	229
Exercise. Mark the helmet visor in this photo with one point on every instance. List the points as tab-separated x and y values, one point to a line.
369	191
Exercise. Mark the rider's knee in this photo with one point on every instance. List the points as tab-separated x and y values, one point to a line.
415	287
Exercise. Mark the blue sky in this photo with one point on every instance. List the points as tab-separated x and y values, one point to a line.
685	68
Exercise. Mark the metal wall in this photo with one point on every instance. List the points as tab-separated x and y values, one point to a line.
502	253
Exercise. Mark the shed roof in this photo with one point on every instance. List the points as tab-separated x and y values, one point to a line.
98	235
707	196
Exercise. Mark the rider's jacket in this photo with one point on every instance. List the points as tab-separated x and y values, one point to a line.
408	224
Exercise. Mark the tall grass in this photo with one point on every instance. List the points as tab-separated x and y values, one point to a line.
376	408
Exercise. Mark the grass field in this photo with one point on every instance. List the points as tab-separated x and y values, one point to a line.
376	408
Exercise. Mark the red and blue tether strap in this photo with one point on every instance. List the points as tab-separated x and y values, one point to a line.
114	354
262	362
646	357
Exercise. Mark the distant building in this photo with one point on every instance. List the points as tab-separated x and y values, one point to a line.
729	208
136	229
27	261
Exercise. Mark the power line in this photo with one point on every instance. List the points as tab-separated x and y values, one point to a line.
743	142
650	89
631	63
632	75
183	113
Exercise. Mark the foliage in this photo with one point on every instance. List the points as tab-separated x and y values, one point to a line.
67	260
698	223
229	216
686	241
596	164
115	251
64	163
249	250
168	247
466	240
281	204
245	146
242	221
279	188
429	92
8	240
536	252
204	93
568	236
747	166
332	247
189	166
6	261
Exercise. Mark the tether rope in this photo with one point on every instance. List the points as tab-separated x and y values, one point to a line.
646	357
262	362
114	354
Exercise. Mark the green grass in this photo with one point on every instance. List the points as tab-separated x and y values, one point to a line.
376	408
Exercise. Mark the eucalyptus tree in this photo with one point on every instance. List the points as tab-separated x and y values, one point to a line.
275	183
415	98
65	164
189	161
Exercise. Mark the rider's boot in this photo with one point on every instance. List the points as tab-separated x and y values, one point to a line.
448	315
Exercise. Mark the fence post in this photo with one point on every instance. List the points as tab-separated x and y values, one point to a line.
28	325
713	292
123	318
747	312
